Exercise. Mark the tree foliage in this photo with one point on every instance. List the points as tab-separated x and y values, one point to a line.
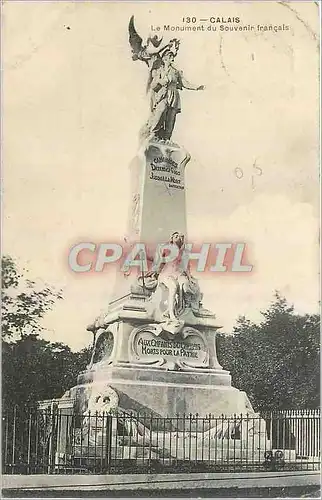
24	303
32	368
277	361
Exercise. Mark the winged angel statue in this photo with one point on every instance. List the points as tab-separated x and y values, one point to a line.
164	82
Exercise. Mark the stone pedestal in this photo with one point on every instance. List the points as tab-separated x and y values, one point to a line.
139	361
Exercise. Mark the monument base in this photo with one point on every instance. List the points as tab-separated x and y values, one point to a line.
137	365
154	348
163	393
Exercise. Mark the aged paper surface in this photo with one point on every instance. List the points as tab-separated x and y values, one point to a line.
74	103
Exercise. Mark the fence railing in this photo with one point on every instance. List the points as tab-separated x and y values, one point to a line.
60	441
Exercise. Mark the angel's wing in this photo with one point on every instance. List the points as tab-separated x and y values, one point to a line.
134	39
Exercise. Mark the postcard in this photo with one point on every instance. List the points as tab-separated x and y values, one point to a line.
160	262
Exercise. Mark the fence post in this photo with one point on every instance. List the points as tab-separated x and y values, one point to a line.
52	439
109	428
13	455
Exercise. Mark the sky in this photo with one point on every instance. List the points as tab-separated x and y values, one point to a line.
73	104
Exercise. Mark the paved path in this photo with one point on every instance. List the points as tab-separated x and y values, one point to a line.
155	484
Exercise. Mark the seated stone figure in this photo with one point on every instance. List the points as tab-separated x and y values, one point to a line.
182	289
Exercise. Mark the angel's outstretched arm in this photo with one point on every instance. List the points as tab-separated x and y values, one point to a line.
190	86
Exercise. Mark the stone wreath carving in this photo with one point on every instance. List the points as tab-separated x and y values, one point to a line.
99	405
102	401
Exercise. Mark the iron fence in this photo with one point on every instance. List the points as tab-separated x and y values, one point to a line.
57	441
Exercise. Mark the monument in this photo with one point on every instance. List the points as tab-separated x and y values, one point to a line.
155	347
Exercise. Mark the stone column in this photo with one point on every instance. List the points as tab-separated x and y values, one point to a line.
158	201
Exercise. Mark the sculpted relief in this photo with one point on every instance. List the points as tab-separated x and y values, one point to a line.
103	347
165	81
174	290
187	351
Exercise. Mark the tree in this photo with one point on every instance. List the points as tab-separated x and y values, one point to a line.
32	368
277	361
24	303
